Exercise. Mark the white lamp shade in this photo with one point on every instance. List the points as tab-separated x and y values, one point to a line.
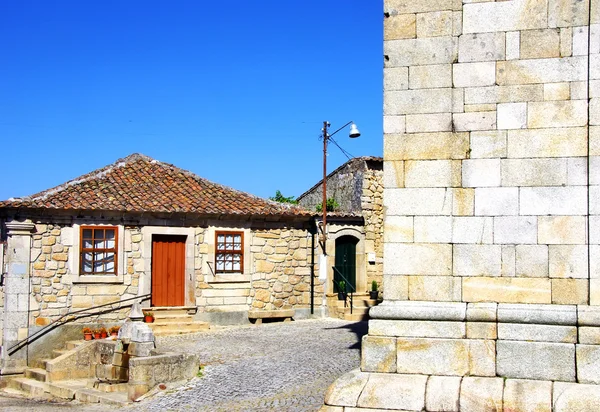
354	131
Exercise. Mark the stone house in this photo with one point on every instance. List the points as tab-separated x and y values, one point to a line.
143	227
357	186
492	211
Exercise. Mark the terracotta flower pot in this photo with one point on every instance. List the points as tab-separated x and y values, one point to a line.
115	334
148	319
103	335
97	335
87	336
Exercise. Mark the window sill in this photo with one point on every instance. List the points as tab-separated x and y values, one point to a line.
230	278
98	279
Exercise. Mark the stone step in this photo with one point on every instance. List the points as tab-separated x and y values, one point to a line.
14	392
59	352
160	311
31	387
37	374
67	389
72	344
106	387
161	329
173	319
95	396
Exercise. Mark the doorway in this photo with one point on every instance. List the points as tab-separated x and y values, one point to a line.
168	270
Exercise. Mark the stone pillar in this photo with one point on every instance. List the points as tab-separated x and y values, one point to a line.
16	295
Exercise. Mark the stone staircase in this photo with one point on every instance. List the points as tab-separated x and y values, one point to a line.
34	383
169	321
360	307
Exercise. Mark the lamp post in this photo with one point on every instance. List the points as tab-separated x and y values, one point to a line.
326	136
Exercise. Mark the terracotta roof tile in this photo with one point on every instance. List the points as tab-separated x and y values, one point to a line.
139	183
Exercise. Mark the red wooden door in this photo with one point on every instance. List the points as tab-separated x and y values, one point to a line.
168	270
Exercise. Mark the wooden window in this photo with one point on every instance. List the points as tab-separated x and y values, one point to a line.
98	250
229	253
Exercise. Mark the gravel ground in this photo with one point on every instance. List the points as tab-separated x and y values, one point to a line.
274	366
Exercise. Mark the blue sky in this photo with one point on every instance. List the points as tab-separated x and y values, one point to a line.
234	91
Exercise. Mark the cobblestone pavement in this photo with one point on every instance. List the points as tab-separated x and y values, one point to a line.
275	366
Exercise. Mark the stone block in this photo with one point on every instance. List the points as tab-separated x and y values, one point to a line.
567	13
512	115
378	354
577	171
527	395
552	201
496	201
488	144
417	328
561	230
472	229
557	91
407	310
396	102
534	71
506	290
482	330
534	172
393	174
539	314
536	360
560	142
509	257
570	291
442	393
588	364
481	47
476	260
573	397
447	357
140	349
504	16
567	113
537	333
393	391
430	76
398	229
481	173
426	146
537	44
503	94
418	259
416	52
434	24
482	312
432	173
481	394
401	26
394	124
474	74
589	335
531	261
515	229
513	45
568	261
421	123
463	202
395	78
417	201
433	229
397	286
434	288
415	6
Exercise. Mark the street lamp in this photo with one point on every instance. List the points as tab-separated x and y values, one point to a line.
326	136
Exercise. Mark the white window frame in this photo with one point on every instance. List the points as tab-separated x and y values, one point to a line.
75	256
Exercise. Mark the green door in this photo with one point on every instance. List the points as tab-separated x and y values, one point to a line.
345	261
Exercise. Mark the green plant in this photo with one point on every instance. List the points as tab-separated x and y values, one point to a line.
148	313
342	286
374	286
282	199
114	329
200	372
86	330
331	205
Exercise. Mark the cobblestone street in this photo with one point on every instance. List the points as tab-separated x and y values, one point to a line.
275	366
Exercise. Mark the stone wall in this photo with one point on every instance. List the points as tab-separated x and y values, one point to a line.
372	210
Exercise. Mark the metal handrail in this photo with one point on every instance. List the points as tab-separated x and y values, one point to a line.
71	316
346	284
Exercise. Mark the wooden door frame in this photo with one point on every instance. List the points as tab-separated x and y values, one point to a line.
146	278
336	230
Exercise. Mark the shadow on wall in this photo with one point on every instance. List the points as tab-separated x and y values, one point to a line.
360	329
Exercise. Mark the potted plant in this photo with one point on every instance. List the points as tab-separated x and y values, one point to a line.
103	333
374	293
114	330
341	290
148	316
87	333
96	333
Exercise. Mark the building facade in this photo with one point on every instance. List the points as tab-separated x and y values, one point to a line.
492	201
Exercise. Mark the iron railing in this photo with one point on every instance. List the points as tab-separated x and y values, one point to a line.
71	316
345	291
